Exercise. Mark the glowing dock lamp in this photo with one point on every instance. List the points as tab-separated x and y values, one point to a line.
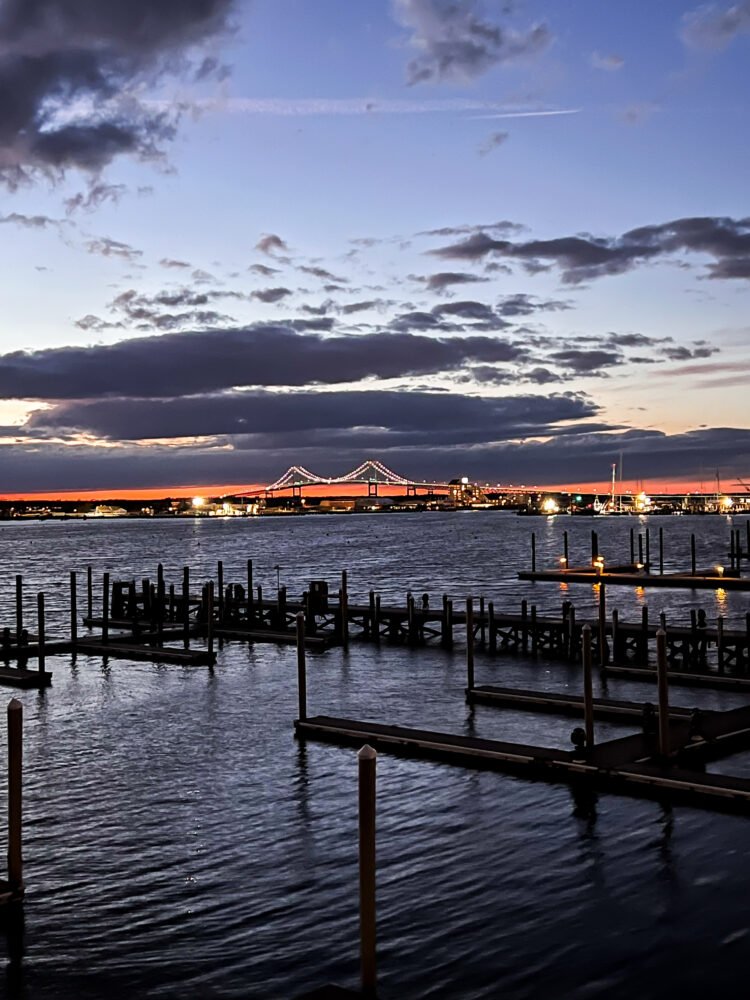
599	564
563	562
720	571
199	502
550	506
639	565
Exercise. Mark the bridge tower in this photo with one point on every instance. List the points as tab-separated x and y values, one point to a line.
372	488
296	490
411	489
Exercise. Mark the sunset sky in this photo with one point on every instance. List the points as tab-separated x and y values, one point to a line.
508	240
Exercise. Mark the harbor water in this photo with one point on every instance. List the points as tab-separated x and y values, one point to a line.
179	843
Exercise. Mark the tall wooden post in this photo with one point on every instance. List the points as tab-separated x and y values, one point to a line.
470	643
594	546
249	591
366	761
40	630
15	794
588	696
534	635
105	609
73	609
220	586
343	619
186	605
648	550
492	627
299	619
572	632
720	643
89	592
482	624
524	625
19	609
663	685
449	623
602	624
377	619
565	550
641	560
210	620
533	552
371	617
644	634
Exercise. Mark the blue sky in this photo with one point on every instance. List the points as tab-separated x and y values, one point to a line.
312	223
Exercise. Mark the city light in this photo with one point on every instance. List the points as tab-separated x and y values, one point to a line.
550	506
199	501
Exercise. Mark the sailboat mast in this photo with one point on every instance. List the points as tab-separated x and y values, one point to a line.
614	485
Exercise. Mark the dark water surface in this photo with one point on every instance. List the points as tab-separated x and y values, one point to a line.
180	843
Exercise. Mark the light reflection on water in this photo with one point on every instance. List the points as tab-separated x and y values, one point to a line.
180	843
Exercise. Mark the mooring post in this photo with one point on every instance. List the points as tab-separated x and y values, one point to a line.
692	555
40	630
449	623
172	606
632	547
663	685
615	634
572	632
366	761
534	636
19	609
482	624
15	794
344	613
588	690
491	627
602	624
565	551
644	634
594	547
731	549
105	609
641	560
720	643
89	592
186	604
210	621
281	607
73	609
648	550
470	643
410	618
299	619
661	551
160	590
524	625
533	552
663	620
220	578
249	591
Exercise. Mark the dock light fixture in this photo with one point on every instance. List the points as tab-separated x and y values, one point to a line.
563	562
720	571
599	564
639	565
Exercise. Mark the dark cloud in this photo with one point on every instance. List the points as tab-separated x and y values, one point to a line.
444	279
279	418
270	244
503	226
28	221
264	270
210	361
584	257
714	26
320	272
97	194
70	73
106	247
455	44
586	362
492	141
525	305
169	262
269	295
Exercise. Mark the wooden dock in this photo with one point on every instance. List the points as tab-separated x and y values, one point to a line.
704	580
628	766
563	703
20	677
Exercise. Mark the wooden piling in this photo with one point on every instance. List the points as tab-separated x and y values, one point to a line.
615	635
210	620
73	608
366	761
534	636
301	666
105	609
692	555
720	643
371	619
641	560
731	549
588	690
449	623
15	794
644	635
603	624
344	613
19	609
186	605
565	550
249	591
594	546
524	625
220	585
572	632
492	627
482	623
470	643
40	630
533	552
663	687
377	618
648	550
89	593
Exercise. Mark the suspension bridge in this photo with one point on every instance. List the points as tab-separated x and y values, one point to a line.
370	473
